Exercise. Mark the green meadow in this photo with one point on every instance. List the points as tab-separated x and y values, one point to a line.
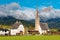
32	37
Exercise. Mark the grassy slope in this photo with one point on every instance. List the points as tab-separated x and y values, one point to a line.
50	37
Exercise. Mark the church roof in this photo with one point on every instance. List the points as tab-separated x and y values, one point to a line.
16	25
44	26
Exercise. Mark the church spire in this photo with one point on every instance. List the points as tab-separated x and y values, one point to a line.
36	12
37	23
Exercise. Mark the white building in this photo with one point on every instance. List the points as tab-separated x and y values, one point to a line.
41	27
17	28
4	31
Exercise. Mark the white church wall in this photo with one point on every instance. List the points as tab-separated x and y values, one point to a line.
44	31
40	30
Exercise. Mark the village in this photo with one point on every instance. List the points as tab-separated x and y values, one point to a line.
29	19
19	29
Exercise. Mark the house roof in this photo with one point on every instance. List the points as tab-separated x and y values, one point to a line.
1	29
44	26
16	25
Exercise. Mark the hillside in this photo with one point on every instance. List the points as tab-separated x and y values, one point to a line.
9	21
52	23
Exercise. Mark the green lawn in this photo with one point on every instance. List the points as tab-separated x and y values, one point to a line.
40	37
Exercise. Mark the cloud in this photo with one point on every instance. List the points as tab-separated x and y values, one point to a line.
25	13
16	11
50	12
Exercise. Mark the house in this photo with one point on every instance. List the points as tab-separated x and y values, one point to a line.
17	28
4	31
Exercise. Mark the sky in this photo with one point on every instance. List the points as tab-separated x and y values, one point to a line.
26	9
33	3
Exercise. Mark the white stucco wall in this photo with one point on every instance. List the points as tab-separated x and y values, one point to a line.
13	31
3	32
20	28
44	31
40	30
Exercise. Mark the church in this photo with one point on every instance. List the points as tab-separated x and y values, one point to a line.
40	28
18	28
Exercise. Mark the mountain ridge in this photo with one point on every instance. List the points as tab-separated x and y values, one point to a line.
52	23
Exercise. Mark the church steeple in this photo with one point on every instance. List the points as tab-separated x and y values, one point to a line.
38	27
36	12
37	23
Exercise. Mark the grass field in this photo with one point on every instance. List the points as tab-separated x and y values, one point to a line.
39	37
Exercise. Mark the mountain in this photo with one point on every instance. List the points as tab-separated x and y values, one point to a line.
52	23
7	20
47	14
11	20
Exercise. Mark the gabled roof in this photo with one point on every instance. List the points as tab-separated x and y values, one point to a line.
16	25
44	26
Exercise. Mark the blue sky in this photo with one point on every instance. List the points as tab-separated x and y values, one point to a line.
47	8
32	3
